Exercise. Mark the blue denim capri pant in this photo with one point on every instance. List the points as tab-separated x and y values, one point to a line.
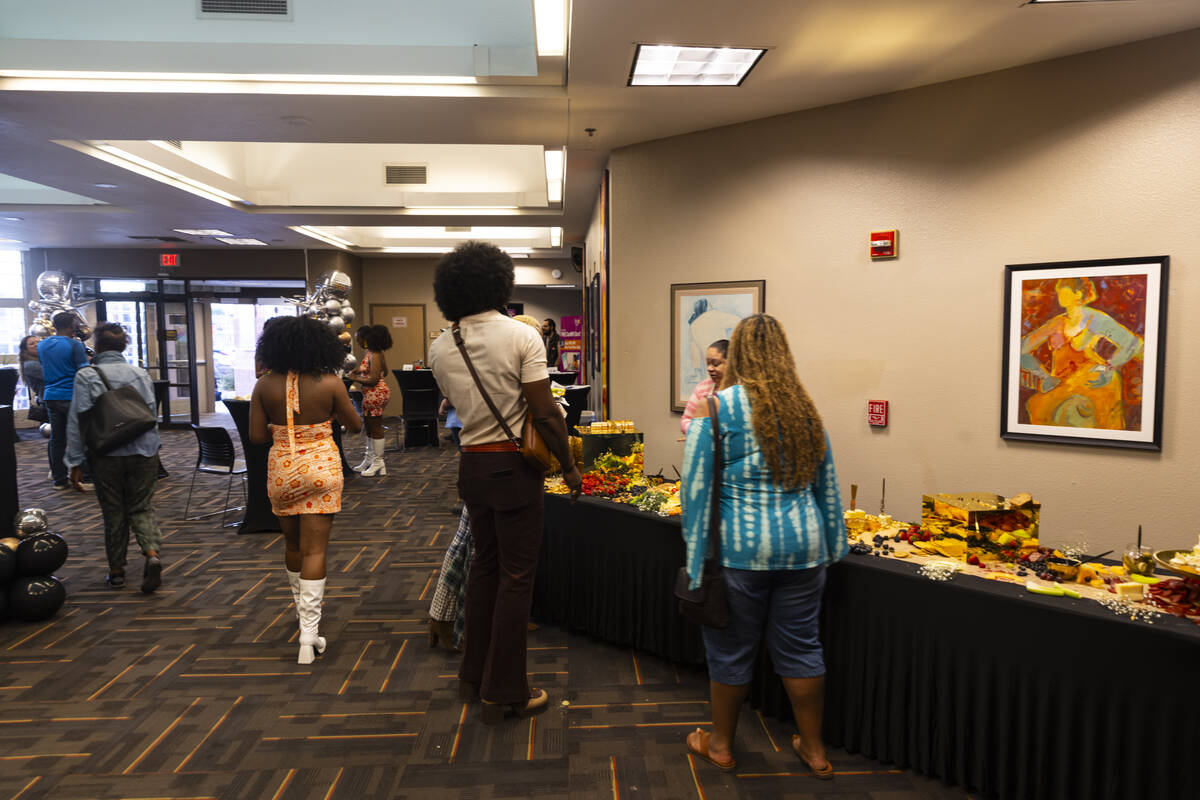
783	605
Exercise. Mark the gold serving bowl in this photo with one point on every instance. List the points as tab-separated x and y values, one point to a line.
1163	557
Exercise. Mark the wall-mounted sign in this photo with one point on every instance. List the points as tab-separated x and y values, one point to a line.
399	322
877	413
885	244
171	335
168	259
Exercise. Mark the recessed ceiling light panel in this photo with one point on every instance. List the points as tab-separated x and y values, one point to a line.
668	65
245	242
202	232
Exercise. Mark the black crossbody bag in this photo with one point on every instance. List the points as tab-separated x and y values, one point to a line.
707	604
116	417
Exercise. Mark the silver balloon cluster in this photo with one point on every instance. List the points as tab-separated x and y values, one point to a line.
55	295
329	302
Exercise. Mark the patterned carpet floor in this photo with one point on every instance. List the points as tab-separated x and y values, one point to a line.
194	691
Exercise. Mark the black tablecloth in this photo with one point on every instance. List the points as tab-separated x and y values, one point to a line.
609	570
258	517
976	682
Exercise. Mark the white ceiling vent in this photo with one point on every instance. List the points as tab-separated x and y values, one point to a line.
244	9
405	174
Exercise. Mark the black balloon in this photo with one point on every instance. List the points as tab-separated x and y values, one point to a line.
8	564
35	599
41	554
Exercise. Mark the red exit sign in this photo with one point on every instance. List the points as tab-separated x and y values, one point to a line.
168	259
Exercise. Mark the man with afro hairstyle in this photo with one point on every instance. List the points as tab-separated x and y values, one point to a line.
502	492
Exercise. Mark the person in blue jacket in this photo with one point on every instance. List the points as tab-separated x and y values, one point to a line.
780	525
61	355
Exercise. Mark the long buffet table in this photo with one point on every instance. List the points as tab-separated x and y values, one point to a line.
976	682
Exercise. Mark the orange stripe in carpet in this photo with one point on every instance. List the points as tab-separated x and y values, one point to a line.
211	731
161	736
105	687
395	661
286	780
333	785
346	683
462	718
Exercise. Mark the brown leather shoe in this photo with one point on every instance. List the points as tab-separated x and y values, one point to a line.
442	633
493	713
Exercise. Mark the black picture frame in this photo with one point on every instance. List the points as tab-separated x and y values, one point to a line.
1084	352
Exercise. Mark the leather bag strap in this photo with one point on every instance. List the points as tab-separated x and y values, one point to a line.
462	348
714	518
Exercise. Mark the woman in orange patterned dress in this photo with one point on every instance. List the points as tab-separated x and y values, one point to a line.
291	408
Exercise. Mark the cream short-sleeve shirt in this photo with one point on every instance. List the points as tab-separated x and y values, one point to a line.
506	353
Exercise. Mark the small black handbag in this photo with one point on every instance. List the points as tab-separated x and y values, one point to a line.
117	417
707	604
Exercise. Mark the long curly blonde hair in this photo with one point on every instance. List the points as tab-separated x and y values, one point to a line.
786	423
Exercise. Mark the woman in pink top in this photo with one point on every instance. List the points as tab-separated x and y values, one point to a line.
714	357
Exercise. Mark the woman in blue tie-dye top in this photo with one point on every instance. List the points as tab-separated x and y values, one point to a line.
781	524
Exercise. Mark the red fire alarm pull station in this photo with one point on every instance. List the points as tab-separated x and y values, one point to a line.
168	259
877	413
885	244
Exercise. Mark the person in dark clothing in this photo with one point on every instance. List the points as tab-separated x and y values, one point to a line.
502	492
552	341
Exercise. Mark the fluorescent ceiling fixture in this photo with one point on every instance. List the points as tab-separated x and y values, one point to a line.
554	175
461	208
556	237
320	236
668	65
478	210
241	241
150	165
225	77
202	232
550	25
417	250
1046	2
486	234
9	241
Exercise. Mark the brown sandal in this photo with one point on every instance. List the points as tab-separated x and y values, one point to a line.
823	774
702	751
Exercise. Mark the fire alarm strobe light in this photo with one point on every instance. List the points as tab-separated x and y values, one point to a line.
877	413
885	244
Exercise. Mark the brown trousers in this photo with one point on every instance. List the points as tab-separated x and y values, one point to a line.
504	499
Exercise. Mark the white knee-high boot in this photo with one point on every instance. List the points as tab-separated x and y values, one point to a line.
368	453
377	466
311	595
294	583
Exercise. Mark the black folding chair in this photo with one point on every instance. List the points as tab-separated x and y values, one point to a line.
217	456
420	416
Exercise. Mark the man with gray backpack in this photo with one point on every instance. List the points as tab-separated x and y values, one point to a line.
112	417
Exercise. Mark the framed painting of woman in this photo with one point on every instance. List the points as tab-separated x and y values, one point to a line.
1084	347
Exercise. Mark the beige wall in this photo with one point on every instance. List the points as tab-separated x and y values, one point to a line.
1092	156
410	280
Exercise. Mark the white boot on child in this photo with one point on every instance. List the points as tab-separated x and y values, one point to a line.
311	595
377	466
